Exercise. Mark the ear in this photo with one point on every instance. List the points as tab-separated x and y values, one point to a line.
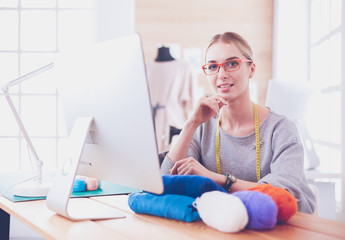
252	70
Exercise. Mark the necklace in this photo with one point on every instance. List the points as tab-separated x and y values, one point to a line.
257	142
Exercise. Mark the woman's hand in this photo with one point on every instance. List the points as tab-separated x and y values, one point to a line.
189	166
206	108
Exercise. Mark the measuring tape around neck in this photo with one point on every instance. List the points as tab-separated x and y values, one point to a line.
257	142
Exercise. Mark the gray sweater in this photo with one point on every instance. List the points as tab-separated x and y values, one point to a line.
281	156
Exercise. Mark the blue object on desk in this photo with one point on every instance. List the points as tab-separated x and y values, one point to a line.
189	185
170	206
176	202
79	185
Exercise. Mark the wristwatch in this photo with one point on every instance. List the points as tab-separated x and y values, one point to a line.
230	179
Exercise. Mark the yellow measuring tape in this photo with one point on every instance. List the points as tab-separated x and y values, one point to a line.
257	142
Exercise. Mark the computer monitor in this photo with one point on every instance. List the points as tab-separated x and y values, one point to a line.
105	98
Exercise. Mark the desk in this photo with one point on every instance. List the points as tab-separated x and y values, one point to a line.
49	225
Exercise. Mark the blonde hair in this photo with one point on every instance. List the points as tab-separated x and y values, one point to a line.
236	39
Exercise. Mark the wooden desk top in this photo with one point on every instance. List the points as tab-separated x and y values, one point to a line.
36	215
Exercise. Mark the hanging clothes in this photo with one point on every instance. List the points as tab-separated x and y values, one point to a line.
171	85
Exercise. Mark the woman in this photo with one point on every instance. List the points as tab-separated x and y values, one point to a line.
233	141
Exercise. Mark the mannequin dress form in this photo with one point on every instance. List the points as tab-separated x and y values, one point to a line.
171	84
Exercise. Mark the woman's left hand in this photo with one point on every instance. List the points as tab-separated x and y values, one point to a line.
189	166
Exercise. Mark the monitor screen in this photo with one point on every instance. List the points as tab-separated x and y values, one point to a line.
106	82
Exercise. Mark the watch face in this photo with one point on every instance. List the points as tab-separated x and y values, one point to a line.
233	178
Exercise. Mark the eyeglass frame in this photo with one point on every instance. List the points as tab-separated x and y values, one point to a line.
222	65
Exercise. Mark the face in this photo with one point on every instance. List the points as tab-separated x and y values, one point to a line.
229	85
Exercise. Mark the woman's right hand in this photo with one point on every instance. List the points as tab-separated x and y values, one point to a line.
206	108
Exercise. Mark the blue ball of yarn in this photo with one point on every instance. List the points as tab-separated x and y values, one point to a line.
262	210
79	185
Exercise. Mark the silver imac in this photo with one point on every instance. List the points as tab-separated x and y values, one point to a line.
105	98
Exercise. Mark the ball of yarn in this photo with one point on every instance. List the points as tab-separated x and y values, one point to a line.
91	184
222	211
286	203
79	185
262	210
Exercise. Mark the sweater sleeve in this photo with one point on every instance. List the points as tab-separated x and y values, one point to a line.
193	151
287	165
167	164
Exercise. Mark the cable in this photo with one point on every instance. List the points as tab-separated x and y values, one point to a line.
11	186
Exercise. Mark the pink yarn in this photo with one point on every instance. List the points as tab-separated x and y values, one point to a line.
91	184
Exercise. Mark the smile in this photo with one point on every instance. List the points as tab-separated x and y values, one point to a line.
226	85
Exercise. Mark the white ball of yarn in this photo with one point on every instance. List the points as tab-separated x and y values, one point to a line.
222	211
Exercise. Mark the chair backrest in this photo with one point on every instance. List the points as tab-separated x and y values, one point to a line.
315	190
291	99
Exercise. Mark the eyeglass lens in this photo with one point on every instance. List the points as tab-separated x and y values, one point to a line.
230	66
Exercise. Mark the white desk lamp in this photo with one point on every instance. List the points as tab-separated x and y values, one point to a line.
33	188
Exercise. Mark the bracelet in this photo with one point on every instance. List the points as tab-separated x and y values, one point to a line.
230	179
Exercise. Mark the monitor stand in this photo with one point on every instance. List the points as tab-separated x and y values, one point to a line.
58	198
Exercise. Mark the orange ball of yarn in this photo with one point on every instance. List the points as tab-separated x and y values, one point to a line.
286	203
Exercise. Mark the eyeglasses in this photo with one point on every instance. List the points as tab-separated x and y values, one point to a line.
229	66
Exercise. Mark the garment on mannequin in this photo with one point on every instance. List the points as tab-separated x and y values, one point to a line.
164	55
171	85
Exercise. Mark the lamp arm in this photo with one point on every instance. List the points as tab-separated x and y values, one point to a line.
5	89
39	162
24	77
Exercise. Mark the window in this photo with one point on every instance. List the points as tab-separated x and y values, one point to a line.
326	61
314	40
32	32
